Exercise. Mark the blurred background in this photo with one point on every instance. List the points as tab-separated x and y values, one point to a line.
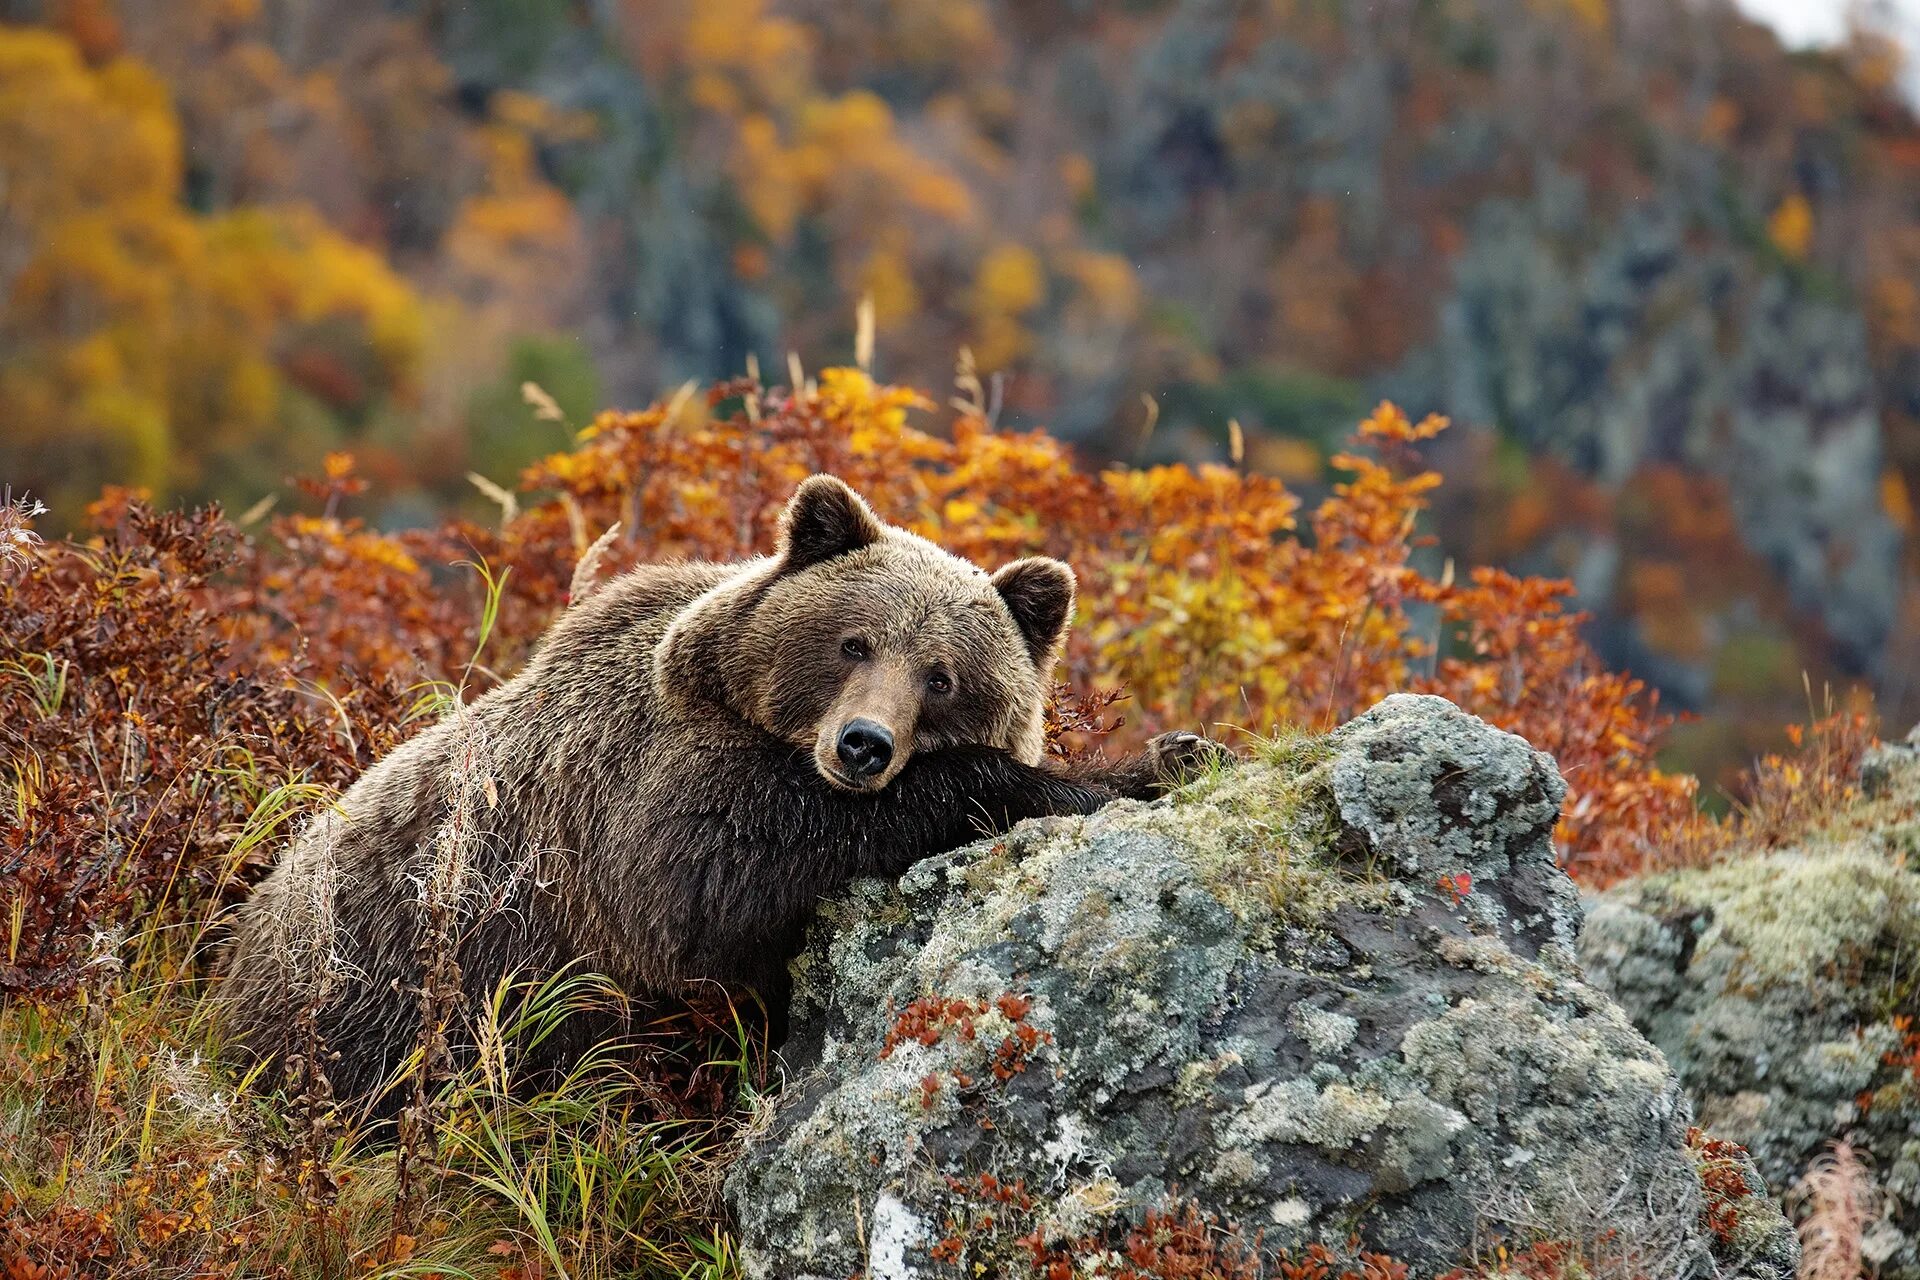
1659	260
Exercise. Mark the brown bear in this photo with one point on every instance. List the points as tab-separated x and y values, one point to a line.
695	754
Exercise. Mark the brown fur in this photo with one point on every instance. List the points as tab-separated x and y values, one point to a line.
665	802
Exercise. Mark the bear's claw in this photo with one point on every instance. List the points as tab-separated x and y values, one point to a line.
1179	756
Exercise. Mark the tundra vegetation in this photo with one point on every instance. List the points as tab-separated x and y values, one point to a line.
177	690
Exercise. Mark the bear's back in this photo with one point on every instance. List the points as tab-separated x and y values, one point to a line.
559	741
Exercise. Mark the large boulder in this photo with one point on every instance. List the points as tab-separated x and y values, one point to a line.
1784	987
1320	1005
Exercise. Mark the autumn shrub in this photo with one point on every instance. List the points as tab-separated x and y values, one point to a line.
143	747
1784	795
1208	595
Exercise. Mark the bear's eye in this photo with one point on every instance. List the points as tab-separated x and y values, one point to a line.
939	682
854	647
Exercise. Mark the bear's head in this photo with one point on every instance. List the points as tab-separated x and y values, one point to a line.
863	643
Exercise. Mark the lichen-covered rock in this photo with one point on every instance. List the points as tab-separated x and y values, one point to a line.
1784	988
1329	995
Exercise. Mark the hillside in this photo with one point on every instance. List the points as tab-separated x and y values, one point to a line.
1659	271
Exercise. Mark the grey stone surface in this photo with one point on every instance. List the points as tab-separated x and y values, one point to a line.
1277	997
1776	982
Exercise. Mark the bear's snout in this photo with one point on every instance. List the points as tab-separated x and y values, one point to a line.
865	749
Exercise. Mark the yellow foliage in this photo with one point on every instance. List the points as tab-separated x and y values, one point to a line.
1595	13
937	33
793	151
1720	119
138	340
739	38
772	195
1893	300
1896	499
1293	460
1008	283
1791	226
1076	174
288	264
1009	280
1107	280
888	280
72	139
532	115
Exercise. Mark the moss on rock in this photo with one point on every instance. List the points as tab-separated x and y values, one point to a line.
1784	987
1328	993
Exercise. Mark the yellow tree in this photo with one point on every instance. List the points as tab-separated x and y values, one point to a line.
139	340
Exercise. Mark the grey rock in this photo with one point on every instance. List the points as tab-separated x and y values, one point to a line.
1783	986
1276	999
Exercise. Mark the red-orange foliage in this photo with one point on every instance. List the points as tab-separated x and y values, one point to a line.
195	667
1185	1242
930	1018
1545	1260
1783	795
1724	1179
138	734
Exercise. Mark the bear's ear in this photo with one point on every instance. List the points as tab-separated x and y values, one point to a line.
824	519
1039	594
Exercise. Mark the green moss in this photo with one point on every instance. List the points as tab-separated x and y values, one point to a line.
1803	917
1262	836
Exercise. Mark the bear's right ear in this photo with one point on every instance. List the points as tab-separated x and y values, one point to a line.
825	518
1039	595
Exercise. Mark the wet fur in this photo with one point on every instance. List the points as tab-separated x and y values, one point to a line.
661	815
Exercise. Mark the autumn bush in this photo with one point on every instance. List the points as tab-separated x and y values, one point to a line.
175	690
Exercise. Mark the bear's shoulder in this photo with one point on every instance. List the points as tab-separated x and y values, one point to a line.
633	609
650	590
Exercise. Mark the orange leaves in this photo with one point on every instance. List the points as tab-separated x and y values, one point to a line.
61	1244
1199	595
930	1019
1388	422
873	417
1790	227
1724	1180
1525	668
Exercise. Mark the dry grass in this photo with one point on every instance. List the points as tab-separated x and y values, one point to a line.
128	1149
1837	1202
586	574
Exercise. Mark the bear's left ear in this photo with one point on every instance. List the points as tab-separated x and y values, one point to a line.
1039	594
825	518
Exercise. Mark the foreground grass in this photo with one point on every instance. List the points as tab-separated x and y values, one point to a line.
129	1148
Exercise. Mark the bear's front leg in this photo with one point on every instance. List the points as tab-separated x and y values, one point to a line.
1166	762
945	798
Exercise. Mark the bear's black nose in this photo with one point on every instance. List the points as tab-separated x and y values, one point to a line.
865	748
